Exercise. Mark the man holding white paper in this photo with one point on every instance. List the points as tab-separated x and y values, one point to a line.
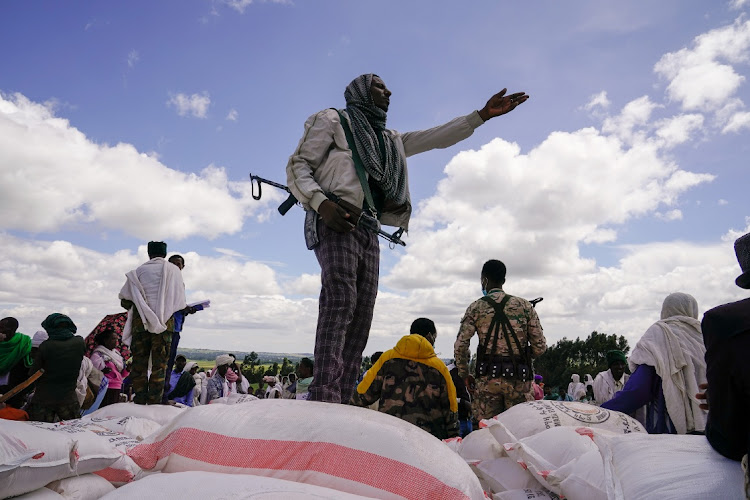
179	321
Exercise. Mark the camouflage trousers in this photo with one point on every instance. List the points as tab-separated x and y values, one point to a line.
41	412
494	396
148	390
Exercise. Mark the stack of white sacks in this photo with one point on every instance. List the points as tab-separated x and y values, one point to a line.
551	450
300	450
260	448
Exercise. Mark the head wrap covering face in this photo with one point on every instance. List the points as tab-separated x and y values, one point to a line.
380	156
59	326
223	359
38	338
615	355
189	366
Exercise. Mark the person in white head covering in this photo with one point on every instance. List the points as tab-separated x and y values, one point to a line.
576	389
668	365
200	386
218	386
38	338
274	387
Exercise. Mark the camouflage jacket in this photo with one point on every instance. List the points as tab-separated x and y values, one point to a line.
411	383
477	320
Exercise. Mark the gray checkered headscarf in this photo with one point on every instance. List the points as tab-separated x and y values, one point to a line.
368	122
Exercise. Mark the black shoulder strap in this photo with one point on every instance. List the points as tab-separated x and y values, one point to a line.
500	319
495	324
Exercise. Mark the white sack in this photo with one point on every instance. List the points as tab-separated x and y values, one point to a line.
234	398
162	414
56	460
550	450
668	466
527	494
134	427
347	448
527	419
100	450
40	494
454	444
85	487
480	445
582	478
505	474
214	485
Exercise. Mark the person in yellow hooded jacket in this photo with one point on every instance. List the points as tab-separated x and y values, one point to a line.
410	382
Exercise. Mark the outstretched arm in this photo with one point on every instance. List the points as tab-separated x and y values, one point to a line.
499	104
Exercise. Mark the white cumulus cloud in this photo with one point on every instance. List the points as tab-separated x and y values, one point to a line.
702	78
190	105
84	183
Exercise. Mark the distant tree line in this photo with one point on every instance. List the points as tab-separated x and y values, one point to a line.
567	357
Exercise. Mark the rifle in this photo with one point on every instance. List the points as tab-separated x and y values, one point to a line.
535	301
361	218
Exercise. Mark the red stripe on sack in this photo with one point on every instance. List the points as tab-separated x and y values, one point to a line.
328	458
115	475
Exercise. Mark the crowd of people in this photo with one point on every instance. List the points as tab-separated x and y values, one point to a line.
350	155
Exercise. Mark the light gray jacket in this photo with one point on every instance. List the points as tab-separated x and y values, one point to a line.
323	161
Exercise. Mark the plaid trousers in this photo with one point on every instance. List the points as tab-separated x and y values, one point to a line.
349	265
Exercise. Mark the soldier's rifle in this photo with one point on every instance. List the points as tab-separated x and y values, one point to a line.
360	217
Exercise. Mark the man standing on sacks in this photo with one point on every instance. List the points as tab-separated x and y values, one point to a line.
350	154
152	294
510	337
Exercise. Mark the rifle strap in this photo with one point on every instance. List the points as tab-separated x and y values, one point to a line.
358	166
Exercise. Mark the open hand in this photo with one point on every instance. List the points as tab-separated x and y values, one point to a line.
335	217
499	104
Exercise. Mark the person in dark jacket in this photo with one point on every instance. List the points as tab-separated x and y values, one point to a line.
463	397
410	382
60	356
726	333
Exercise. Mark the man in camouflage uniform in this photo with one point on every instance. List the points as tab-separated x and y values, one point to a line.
410	382
495	395
152	294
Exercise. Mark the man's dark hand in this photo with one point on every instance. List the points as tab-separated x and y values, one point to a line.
335	217
499	104
703	396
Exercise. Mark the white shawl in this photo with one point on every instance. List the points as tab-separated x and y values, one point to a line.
605	386
157	290
674	347
113	356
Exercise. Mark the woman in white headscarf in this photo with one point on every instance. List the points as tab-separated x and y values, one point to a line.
576	389
275	389
668	364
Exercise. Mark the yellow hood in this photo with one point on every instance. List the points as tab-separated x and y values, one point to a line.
414	348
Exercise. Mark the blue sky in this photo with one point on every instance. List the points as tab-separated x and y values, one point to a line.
622	179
